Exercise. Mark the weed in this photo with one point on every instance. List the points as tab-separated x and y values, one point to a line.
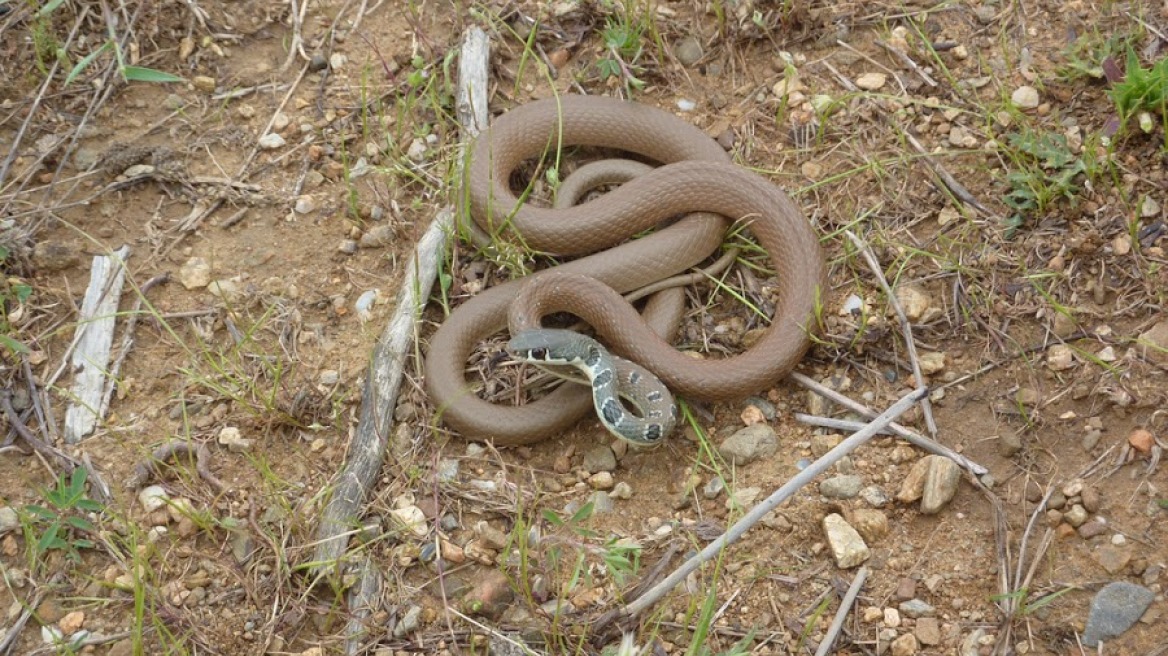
1026	607
623	36
1086	55
58	525
13	294
1142	90
1045	170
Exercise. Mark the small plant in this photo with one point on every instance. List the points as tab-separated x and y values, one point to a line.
13	294
619	559
58	525
1087	55
1141	90
622	43
1045	171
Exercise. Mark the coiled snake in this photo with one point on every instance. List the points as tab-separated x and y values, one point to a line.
695	177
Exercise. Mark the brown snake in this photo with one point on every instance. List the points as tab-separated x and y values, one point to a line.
696	176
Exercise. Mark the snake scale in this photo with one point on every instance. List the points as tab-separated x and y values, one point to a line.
695	178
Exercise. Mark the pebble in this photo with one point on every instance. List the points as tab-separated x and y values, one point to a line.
914	301
1060	357
1025	97
409	622
1093	528
713	487
905	645
871	81
1153	343
1141	440
203	83
769	412
847	546
602	502
749	444
232	438
601	481
688	51
599	458
1090	499
874	496
1111	558
928	631
845	486
1009	444
337	61
304	205
1076	516
50	256
378	236
742	497
195	273
9	520
152	498
317	63
448	470
347	246
271	141
871	524
622	490
412	519
931	362
1149	209
912	486
1114	610
417	150
940	484
821	444
915	608
891	618
906	588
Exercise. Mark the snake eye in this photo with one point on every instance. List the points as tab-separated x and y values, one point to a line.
539	353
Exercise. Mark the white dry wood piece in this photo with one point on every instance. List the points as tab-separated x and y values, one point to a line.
95	336
383	381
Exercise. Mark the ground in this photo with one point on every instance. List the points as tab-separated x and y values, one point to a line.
1033	279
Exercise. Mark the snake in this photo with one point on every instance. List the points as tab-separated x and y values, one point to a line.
695	178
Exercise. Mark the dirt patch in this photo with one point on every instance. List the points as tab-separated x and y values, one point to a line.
282	187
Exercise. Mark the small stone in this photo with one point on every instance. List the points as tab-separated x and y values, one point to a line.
152	498
811	170
905	645
688	51
622	490
1009	444
1141	440
845	486
1060	357
916	608
752	415
821	444
940	484
931	362
337	61
417	150
246	111
562	464
874	496
871	81
271	141
203	83
52	256
601	481
230	437
1153	343
599	458
1091	440
304	205
378	236
847	546
1076	516
347	246
602	502
1093	528
713	487
928	631
411	518
195	273
280	121
1114	610
1025	97
1090	499
906	588
742	497
872	525
1149	208
749	444
1111	558
72	622
9	520
961	138
317	63
912	486
409	622
913	300
891	618
960	52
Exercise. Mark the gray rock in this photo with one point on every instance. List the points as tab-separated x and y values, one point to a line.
874	496
713	487
846	486
409	622
749	444
765	407
50	256
271	141
601	502
599	459
1114	610
915	608
688	50
9	520
448	470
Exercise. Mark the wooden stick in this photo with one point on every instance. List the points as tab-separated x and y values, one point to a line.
383	380
842	614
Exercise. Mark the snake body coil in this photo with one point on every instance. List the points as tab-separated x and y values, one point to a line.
695	176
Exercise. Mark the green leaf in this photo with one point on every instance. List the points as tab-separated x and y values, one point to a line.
142	74
77	482
49	539
83	544
89	505
80	66
40	512
13	345
81	524
583	513
552	518
49	8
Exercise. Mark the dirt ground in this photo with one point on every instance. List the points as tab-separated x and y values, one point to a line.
1034	281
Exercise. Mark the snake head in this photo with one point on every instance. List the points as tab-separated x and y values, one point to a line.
546	345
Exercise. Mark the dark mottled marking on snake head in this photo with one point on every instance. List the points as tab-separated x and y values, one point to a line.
593	357
612	411
653	396
653	432
653	414
539	354
673	411
601	379
634	377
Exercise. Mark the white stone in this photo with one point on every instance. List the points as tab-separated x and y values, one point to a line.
271	141
1025	97
871	81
